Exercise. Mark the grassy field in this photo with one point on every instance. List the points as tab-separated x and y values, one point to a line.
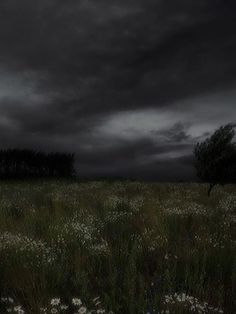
117	247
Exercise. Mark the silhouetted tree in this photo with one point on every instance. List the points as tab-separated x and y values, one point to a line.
215	158
15	163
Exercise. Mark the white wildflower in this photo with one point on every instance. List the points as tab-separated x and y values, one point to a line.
82	310
55	301
76	302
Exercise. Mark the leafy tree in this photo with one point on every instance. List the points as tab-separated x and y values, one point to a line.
215	158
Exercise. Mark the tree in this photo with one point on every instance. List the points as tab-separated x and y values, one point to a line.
215	158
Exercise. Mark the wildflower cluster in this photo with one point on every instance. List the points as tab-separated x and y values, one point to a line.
55	305
33	252
189	303
184	210
216	241
83	229
11	306
75	305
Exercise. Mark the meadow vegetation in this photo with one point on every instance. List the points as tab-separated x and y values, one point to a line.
121	247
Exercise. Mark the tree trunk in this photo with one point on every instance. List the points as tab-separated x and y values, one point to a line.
210	189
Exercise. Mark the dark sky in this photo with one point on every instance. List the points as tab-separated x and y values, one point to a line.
129	86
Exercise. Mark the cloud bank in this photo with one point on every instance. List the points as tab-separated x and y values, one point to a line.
129	86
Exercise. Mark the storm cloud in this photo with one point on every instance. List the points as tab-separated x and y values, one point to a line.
129	86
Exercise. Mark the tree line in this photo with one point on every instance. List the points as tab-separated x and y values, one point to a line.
18	164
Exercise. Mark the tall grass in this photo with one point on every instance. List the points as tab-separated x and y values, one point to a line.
142	248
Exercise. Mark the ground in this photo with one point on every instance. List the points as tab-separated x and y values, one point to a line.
139	247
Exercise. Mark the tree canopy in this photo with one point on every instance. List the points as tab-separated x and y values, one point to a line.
215	158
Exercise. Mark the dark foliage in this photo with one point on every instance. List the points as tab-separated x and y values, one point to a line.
18	164
215	158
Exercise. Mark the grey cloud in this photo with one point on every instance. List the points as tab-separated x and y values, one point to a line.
177	133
